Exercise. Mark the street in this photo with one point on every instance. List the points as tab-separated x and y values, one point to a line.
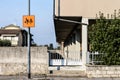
52	78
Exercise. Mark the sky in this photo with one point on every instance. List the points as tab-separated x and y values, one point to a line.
11	12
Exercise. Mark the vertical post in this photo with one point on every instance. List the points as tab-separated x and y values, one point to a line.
62	48
92	58
58	8
77	37
53	8
29	54
84	41
67	55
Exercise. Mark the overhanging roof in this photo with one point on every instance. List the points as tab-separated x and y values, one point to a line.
2	31
63	28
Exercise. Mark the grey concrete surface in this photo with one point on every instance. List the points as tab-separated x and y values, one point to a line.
52	78
14	60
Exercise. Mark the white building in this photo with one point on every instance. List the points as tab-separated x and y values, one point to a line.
15	34
71	19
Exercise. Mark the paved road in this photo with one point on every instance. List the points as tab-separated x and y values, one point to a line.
52	78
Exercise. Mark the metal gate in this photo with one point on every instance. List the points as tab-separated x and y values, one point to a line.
56	59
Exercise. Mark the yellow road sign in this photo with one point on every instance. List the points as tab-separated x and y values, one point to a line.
29	21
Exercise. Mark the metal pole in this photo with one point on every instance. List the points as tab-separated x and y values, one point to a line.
53	8
58	8
29	54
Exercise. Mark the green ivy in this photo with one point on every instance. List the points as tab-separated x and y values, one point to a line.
104	37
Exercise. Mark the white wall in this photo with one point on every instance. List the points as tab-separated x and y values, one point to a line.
86	8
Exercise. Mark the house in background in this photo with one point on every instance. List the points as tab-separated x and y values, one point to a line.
15	34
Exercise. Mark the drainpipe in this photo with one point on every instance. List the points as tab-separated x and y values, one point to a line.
58	8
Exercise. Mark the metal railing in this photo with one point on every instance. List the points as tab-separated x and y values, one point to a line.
95	58
56	59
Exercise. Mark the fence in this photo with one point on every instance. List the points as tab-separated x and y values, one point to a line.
95	58
56	59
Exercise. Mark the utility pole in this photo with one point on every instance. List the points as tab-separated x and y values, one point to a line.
29	42
29	22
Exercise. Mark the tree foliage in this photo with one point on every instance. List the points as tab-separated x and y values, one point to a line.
5	43
104	37
50	47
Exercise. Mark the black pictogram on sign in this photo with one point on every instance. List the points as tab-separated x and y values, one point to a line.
28	21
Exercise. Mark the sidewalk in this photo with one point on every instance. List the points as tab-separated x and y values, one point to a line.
52	78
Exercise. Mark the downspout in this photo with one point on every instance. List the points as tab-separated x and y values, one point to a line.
53	9
58	8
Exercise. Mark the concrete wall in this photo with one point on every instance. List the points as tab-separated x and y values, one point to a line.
14	60
103	71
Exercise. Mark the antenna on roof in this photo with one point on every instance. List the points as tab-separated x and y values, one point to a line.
15	22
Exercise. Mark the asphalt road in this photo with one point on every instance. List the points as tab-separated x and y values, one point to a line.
52	78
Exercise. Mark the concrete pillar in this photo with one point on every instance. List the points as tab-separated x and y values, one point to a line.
84	41
62	48
70	48
66	51
77	38
73	47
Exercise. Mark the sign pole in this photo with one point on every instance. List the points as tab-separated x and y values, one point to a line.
29	42
28	22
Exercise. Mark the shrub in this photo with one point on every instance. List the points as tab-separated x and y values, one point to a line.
104	37
5	43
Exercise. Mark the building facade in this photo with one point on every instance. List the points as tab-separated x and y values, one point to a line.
72	18
16	35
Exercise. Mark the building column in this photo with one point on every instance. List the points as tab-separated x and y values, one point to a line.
62	48
84	41
77	39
